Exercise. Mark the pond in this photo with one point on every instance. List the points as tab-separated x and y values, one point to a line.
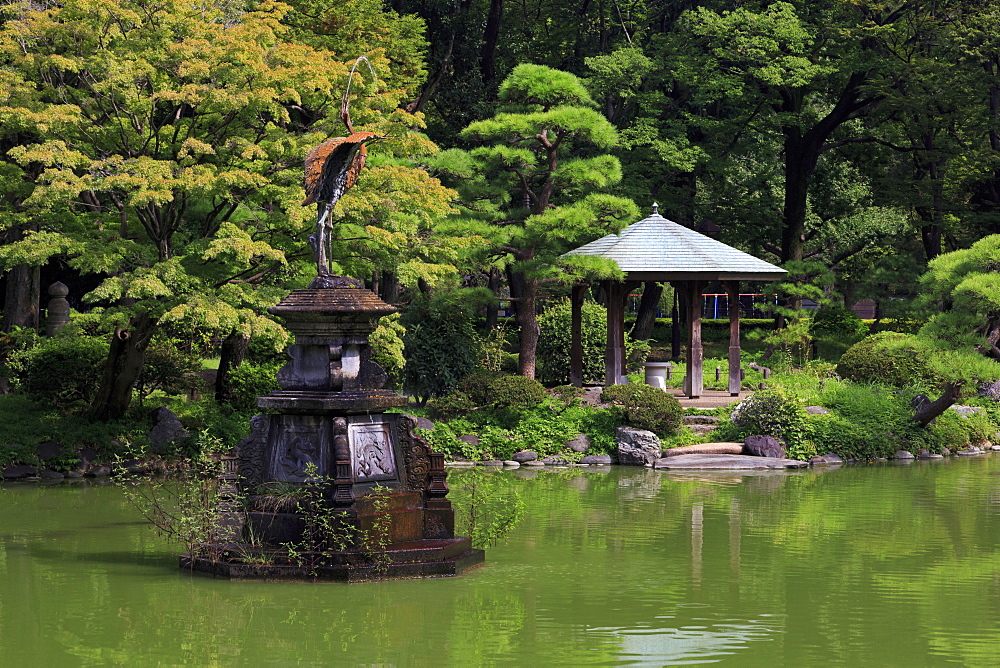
870	565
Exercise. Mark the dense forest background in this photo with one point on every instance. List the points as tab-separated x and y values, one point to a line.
151	155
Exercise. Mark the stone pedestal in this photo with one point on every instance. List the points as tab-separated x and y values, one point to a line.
656	374
327	439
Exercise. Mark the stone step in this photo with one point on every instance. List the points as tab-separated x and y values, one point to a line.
701	419
701	429
721	448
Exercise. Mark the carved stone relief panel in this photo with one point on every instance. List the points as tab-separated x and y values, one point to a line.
373	457
300	440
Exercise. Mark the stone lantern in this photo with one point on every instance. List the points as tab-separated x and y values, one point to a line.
326	431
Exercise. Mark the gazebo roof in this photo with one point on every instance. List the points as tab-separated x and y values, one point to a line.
657	249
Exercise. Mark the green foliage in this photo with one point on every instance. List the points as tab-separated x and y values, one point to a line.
949	430
831	433
510	391
64	371
879	420
251	380
387	346
793	342
161	147
553	352
487	508
645	407
444	439
38	422
493	355
531	187
169	368
961	292
186	511
12	346
772	413
502	431
887	357
714	329
837	321
220	424
439	344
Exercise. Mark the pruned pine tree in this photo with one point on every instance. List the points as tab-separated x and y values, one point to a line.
533	185
961	340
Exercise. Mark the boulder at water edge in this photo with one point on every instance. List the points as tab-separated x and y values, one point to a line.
636	447
579	444
167	429
763	446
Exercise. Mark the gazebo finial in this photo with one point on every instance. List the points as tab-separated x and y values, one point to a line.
656	209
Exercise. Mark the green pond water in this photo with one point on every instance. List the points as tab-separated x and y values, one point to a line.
867	565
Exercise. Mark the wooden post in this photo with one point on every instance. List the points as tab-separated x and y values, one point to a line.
627	289
576	336
735	377
694	352
616	325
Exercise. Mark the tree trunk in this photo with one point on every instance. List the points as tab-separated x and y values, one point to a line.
491	37
390	290
800	162
21	302
22	298
528	330
929	410
515	281
234	351
125	359
645	319
493	283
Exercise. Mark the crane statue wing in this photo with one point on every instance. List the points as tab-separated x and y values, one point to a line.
332	168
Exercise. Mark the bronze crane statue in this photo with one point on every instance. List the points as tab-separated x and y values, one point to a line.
330	169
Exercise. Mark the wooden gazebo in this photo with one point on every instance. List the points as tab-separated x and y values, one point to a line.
657	249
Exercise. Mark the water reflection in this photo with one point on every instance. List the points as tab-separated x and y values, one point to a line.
865	565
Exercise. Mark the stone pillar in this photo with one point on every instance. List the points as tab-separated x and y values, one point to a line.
57	312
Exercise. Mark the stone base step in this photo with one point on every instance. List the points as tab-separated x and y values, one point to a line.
700	419
720	448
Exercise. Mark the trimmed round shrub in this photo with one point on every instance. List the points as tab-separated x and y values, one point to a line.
771	413
645	407
515	392
64	369
499	390
887	357
493	390
553	351
837	321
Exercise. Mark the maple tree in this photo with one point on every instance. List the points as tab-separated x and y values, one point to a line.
165	149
